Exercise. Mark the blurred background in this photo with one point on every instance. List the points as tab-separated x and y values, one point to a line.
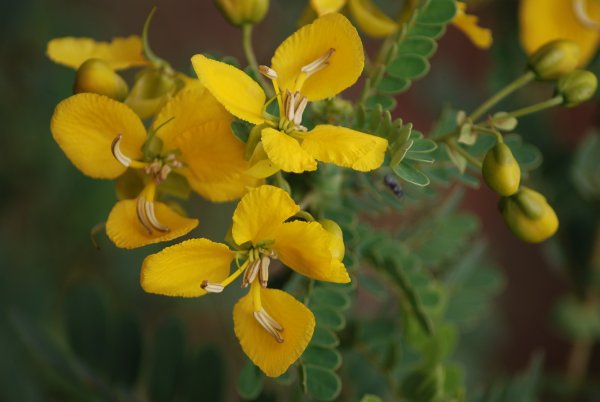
60	296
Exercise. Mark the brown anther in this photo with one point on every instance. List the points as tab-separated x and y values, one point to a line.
147	216
251	273
210	287
268	72
263	274
269	324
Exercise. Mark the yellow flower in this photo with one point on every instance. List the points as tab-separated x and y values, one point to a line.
120	53
368	17
318	61
542	21
272	326
372	21
469	25
191	136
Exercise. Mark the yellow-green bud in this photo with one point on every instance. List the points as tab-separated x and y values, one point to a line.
528	216
501	171
151	90
242	12
337	238
96	76
577	87
554	59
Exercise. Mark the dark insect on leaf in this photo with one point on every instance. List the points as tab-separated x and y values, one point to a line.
394	185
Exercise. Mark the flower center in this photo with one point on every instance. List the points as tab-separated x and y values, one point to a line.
256	274
580	9
292	103
159	170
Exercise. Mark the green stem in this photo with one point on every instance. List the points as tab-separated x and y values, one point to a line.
463	152
251	58
557	100
503	93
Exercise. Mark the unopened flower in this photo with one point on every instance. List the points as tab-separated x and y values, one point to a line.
190	137
542	21
317	62
501	171
241	12
577	87
554	59
528	215
96	76
272	326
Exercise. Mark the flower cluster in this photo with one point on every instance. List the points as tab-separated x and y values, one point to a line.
167	135
189	146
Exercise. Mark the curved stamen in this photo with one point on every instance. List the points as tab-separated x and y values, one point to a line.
579	7
318	64
116	151
141	214
149	208
269	324
300	110
212	287
272	75
263	275
147	216
251	273
263	318
121	157
268	72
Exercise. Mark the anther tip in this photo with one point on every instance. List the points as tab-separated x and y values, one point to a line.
204	284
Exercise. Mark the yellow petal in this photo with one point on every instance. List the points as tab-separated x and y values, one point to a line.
327	6
309	43
468	24
227	190
211	152
120	53
192	106
260	164
233	88
260	213
372	20
125	230
298	323
345	147
542	21
286	153
305	248
85	125
179	270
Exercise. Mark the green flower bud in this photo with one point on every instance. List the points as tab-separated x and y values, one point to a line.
577	87
151	90
528	215
96	76
554	59
242	12
501	171
337	238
